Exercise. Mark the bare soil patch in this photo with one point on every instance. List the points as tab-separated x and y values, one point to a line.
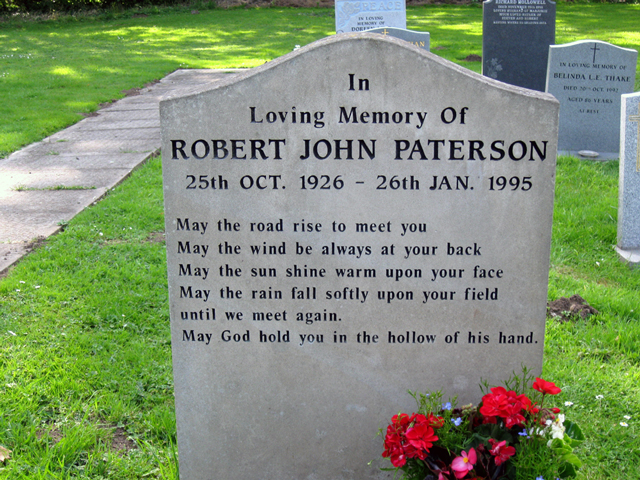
566	309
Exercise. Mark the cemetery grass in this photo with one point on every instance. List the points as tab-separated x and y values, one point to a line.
85	363
86	388
52	72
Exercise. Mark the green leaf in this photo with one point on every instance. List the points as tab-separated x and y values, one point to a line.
573	431
560	447
572	459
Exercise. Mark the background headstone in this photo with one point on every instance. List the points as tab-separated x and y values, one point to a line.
629	187
357	16
516	35
419	39
353	220
588	77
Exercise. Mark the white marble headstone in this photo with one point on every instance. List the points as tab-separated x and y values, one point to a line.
629	187
358	16
588	77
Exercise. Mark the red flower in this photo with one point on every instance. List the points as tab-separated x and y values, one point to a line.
545	387
421	436
435	421
506	405
500	451
493	420
409	437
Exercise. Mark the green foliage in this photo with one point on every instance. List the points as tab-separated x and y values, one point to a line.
538	442
51	6
73	367
54	71
85	346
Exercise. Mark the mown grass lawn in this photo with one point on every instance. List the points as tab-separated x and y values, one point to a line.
52	72
85	353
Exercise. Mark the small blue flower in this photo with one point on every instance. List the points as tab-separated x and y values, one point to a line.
446	406
457	421
539	478
524	433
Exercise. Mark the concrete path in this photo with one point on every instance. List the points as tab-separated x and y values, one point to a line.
47	183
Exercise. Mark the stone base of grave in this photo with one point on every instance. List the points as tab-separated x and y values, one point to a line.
600	157
632	257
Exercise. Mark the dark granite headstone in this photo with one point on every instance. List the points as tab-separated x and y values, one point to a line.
419	39
516	35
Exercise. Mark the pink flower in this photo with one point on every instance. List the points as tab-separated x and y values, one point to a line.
500	451
464	464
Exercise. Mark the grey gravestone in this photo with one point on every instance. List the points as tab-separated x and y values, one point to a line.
516	35
588	77
352	220
357	16
629	187
419	39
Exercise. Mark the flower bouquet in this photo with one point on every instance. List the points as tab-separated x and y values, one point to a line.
512	434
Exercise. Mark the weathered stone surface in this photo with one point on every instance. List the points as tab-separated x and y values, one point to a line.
419	39
587	78
516	35
629	188
380	218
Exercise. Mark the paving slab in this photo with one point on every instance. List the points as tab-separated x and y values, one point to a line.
96	153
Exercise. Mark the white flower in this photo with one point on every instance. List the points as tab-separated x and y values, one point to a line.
568	404
557	427
599	397
623	424
627	417
22	281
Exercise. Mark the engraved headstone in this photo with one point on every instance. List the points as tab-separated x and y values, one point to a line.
516	35
337	234
588	77
358	16
629	186
419	39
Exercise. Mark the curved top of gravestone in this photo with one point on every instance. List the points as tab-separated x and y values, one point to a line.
519	2
334	54
590	42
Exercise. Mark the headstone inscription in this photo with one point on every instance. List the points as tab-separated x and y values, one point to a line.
358	16
350	221
419	39
516	35
629	185
588	77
